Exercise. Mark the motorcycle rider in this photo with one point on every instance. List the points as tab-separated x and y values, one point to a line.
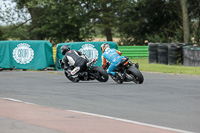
113	56
75	60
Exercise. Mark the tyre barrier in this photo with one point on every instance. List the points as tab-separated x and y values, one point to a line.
166	53
175	54
153	52
191	56
163	53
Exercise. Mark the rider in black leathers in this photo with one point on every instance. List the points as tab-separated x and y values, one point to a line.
74	61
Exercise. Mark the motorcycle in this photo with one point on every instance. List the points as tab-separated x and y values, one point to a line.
89	72
127	72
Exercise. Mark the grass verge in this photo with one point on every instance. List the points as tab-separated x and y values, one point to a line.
175	69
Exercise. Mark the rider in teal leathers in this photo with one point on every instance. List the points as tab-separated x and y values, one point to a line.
111	55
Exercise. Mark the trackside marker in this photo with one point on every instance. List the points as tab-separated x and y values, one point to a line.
109	117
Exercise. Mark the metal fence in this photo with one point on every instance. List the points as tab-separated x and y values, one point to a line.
134	52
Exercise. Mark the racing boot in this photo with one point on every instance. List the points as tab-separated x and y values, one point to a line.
137	65
75	78
118	76
129	78
75	70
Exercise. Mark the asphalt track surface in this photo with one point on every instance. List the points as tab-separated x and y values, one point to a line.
166	100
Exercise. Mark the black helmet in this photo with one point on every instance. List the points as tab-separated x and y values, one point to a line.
65	49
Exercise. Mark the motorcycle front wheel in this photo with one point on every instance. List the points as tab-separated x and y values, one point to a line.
99	73
136	74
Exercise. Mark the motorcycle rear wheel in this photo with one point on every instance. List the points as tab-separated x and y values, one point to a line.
70	78
136	74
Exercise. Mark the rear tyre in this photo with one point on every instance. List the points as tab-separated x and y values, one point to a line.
101	74
136	74
71	79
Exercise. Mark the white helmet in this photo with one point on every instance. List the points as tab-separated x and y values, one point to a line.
104	46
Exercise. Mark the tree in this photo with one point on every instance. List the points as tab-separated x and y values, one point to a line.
186	28
1	34
194	19
103	15
57	20
153	20
134	20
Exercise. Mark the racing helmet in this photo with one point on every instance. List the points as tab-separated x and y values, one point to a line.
65	49
104	46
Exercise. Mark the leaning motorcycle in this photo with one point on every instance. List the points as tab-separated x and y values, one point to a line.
127	72
90	72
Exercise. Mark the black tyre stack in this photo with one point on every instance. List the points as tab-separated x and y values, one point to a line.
153	52
163	53
175	54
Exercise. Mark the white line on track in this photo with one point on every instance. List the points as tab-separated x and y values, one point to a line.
134	122
109	117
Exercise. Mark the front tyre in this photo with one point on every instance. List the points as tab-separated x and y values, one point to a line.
100	74
136	74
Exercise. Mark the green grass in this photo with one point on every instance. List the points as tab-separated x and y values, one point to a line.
175	69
